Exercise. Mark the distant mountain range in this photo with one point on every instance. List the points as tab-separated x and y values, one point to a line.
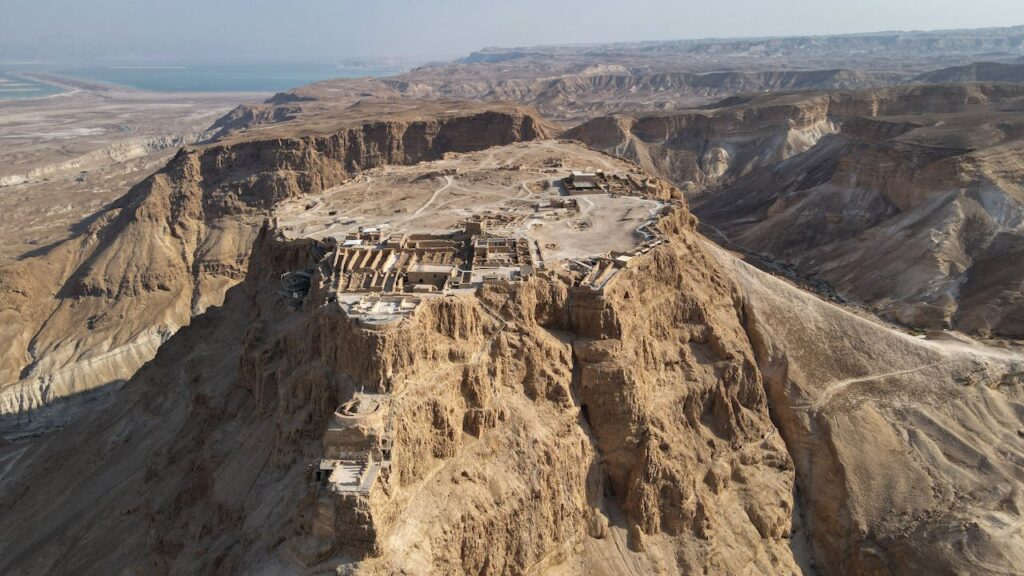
977	72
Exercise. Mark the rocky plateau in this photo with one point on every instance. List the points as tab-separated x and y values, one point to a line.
719	307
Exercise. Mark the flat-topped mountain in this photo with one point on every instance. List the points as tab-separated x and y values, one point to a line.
529	362
84	316
463	321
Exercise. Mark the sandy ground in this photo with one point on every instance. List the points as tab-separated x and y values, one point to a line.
506	182
63	157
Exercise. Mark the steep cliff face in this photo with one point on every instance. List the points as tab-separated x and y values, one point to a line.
889	196
575	83
694	415
904	451
706	148
570	95
701	149
597	92
249	115
991	298
117	153
535	426
673	400
913	100
101	304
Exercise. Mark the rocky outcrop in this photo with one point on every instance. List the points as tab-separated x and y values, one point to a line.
531	417
693	415
99	305
117	153
991	299
250	115
576	83
887	197
673	399
903	455
704	149
570	96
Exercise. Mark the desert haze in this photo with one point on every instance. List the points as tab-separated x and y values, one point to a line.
723	306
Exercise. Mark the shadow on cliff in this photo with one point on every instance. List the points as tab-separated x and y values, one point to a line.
799	539
601	497
74	231
57	413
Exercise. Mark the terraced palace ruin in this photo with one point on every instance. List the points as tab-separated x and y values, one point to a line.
716	307
484	221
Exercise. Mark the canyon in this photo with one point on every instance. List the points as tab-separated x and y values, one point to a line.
85	315
723	306
895	199
688	415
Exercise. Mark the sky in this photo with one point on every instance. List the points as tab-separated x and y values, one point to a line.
334	30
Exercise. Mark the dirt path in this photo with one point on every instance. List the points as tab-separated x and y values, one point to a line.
930	353
589	203
448	183
831	390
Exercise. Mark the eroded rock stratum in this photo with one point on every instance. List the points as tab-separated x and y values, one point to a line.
481	364
79	320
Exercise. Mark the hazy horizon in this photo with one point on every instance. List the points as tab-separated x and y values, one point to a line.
62	31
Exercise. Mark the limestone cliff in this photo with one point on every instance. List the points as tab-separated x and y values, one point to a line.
535	425
705	149
569	95
92	310
693	415
889	198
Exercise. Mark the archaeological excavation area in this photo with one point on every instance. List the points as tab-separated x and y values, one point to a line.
393	238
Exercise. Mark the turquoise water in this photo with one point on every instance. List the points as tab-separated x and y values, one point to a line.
222	77
12	87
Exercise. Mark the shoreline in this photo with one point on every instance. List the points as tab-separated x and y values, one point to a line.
198	84
70	86
203	83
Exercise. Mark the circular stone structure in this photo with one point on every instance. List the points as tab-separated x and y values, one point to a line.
363	410
380	321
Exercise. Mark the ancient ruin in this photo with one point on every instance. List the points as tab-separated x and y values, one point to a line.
600	182
379	273
371	261
370	326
